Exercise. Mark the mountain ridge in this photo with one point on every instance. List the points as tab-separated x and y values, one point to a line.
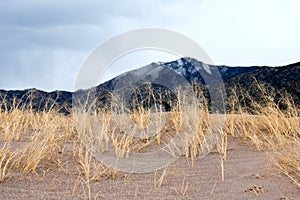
281	77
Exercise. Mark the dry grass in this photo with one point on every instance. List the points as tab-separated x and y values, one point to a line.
272	130
41	142
33	142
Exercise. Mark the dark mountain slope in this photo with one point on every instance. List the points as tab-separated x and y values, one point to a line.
282	79
285	78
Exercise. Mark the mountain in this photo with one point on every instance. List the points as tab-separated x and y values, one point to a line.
189	68
166	75
193	69
281	78
36	100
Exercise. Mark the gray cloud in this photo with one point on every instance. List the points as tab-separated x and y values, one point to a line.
44	43
44	14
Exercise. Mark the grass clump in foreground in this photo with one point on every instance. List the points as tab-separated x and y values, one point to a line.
272	125
39	142
43	142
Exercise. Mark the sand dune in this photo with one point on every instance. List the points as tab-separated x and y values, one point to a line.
247	176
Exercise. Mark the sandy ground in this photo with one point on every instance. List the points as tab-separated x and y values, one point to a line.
247	176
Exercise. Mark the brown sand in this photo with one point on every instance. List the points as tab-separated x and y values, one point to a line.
246	177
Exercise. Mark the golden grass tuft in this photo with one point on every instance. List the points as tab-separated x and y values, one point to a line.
273	130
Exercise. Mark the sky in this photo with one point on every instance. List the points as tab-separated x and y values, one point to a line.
43	43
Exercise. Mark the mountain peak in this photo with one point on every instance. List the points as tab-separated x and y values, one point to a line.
191	69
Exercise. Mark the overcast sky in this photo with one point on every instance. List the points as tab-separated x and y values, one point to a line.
44	43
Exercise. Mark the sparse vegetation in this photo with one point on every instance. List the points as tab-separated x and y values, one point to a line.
36	142
272	129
